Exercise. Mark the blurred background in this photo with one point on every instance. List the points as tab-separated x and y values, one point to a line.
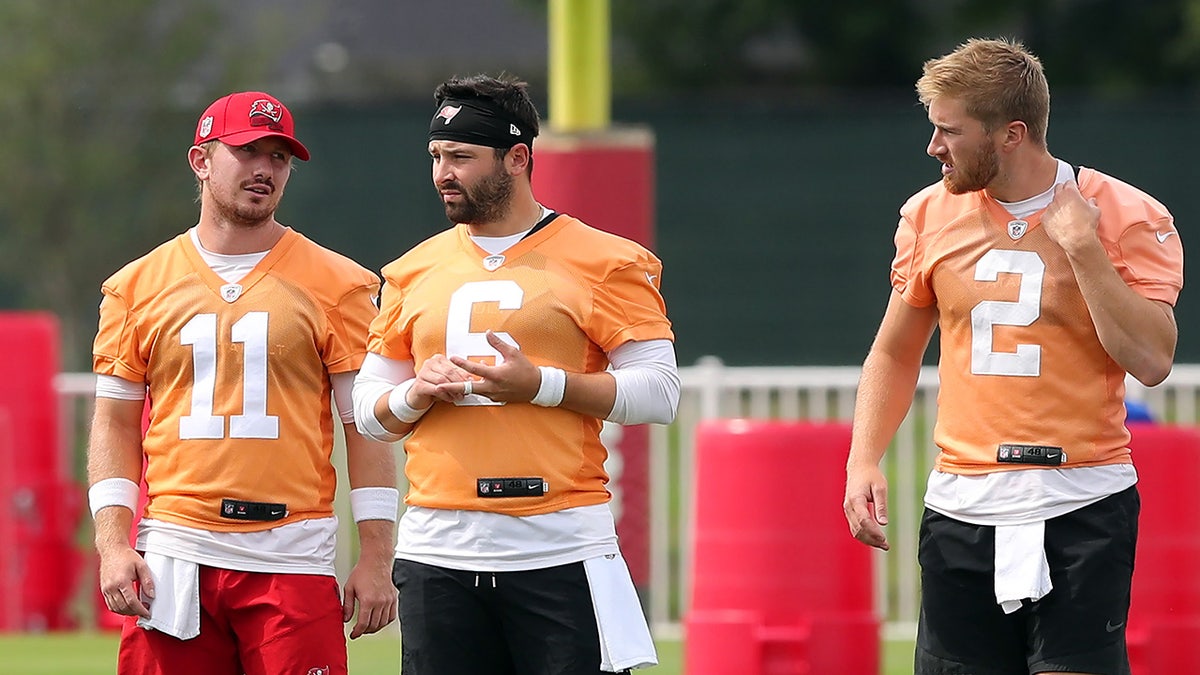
786	135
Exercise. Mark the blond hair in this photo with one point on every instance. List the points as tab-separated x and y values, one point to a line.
997	79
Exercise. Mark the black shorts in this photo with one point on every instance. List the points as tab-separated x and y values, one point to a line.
1078	627
453	622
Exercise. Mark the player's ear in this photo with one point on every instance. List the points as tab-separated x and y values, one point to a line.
1014	133
199	160
516	160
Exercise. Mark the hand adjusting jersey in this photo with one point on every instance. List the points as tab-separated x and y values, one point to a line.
238	374
1020	358
566	294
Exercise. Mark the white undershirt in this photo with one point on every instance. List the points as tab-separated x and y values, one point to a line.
498	245
231	268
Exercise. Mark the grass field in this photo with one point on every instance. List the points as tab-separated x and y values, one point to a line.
95	654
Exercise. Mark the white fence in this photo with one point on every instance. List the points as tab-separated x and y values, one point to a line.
714	391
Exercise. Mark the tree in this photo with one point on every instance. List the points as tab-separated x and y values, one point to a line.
94	156
1113	47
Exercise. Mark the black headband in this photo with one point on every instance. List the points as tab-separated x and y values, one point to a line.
478	122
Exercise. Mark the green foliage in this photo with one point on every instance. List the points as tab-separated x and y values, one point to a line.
734	43
96	654
94	159
1116	47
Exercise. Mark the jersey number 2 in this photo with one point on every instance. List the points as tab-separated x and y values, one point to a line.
1026	361
201	333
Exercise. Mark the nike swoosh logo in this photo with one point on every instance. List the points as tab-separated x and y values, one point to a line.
1109	627
1162	236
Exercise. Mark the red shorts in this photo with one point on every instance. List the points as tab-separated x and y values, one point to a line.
252	623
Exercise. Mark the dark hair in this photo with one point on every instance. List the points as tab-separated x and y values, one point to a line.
506	91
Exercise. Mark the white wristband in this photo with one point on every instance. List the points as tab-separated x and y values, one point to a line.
113	492
374	503
554	385
398	403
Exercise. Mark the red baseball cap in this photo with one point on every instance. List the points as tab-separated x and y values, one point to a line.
246	116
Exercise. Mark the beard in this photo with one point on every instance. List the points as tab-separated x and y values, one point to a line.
487	201
975	172
237	212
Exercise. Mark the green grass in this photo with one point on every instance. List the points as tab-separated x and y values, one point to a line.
95	654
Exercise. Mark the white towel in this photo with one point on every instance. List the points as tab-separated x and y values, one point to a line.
175	607
1022	571
625	640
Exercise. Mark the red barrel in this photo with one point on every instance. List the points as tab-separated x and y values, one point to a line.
1164	619
40	504
778	584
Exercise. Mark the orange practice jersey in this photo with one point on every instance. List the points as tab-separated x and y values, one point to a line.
566	295
1020	358
238	374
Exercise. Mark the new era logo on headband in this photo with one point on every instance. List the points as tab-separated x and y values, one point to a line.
447	113
512	129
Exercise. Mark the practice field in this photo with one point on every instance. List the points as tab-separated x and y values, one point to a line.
95	654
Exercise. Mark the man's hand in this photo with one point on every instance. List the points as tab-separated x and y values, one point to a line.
436	372
120	568
866	504
513	380
370	587
1070	220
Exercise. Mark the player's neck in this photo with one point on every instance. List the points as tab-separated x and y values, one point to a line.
1025	177
524	214
226	238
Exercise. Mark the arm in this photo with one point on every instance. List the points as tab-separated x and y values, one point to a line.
388	398
647	382
642	388
115	451
371	464
885	391
371	468
373	384
1138	333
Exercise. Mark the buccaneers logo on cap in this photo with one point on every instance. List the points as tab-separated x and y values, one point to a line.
447	113
265	113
